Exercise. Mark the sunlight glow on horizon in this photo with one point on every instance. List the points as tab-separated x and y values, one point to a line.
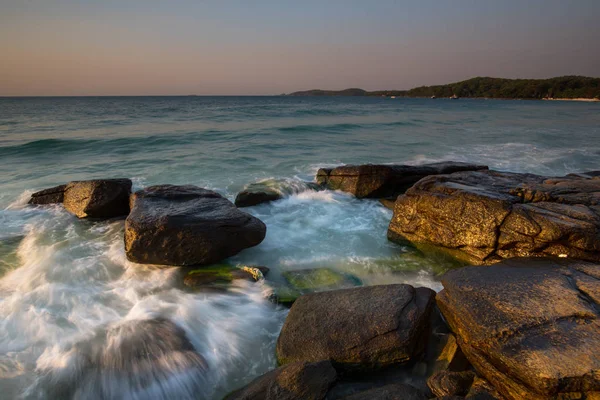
67	47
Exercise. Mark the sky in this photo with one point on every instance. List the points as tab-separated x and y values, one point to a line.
267	47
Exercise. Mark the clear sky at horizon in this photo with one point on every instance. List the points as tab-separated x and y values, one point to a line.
147	47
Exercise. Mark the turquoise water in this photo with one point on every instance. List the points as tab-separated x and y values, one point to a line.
63	280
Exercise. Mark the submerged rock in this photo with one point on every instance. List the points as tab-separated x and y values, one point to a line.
270	190
380	181
187	225
48	196
222	274
99	198
531	327
296	381
486	216
359	328
136	359
318	279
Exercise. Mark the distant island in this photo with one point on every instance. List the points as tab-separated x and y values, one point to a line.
564	87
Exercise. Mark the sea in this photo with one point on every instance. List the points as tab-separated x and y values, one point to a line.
66	286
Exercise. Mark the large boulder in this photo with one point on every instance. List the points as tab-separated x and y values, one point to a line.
359	328
486	216
187	225
531	327
51	195
98	198
296	381
380	181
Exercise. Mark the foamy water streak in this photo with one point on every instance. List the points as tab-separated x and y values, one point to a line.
76	317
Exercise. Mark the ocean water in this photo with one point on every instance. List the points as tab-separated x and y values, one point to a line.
69	299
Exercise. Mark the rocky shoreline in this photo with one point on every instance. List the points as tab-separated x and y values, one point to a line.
522	323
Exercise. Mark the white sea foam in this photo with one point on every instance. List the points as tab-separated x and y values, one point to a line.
74	282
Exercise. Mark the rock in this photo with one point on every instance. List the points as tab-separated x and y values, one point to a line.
397	391
388	203
128	360
379	181
487	216
482	390
222	274
531	327
270	190
319	279
48	196
251	197
283	294
187	225
360	328
99	198
451	357
296	381
449	383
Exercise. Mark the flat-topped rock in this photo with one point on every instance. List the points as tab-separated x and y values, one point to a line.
380	181
51	195
96	198
296	381
187	225
360	328
531	327
486	216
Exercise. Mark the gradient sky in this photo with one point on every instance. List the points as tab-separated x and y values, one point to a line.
147	47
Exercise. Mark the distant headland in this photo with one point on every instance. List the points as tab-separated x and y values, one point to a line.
579	88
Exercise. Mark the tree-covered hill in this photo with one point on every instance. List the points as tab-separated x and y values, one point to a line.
564	87
567	87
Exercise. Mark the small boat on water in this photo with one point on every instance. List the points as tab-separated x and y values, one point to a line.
433	97
392	97
454	97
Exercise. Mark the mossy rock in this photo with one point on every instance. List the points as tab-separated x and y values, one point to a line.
220	274
283	294
310	280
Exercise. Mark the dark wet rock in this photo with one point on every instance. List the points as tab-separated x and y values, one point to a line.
130	360
99	198
222	274
397	391
379	181
296	381
48	196
482	390
187	225
319	279
360	328
531	327
251	197
270	190
450	383
486	216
